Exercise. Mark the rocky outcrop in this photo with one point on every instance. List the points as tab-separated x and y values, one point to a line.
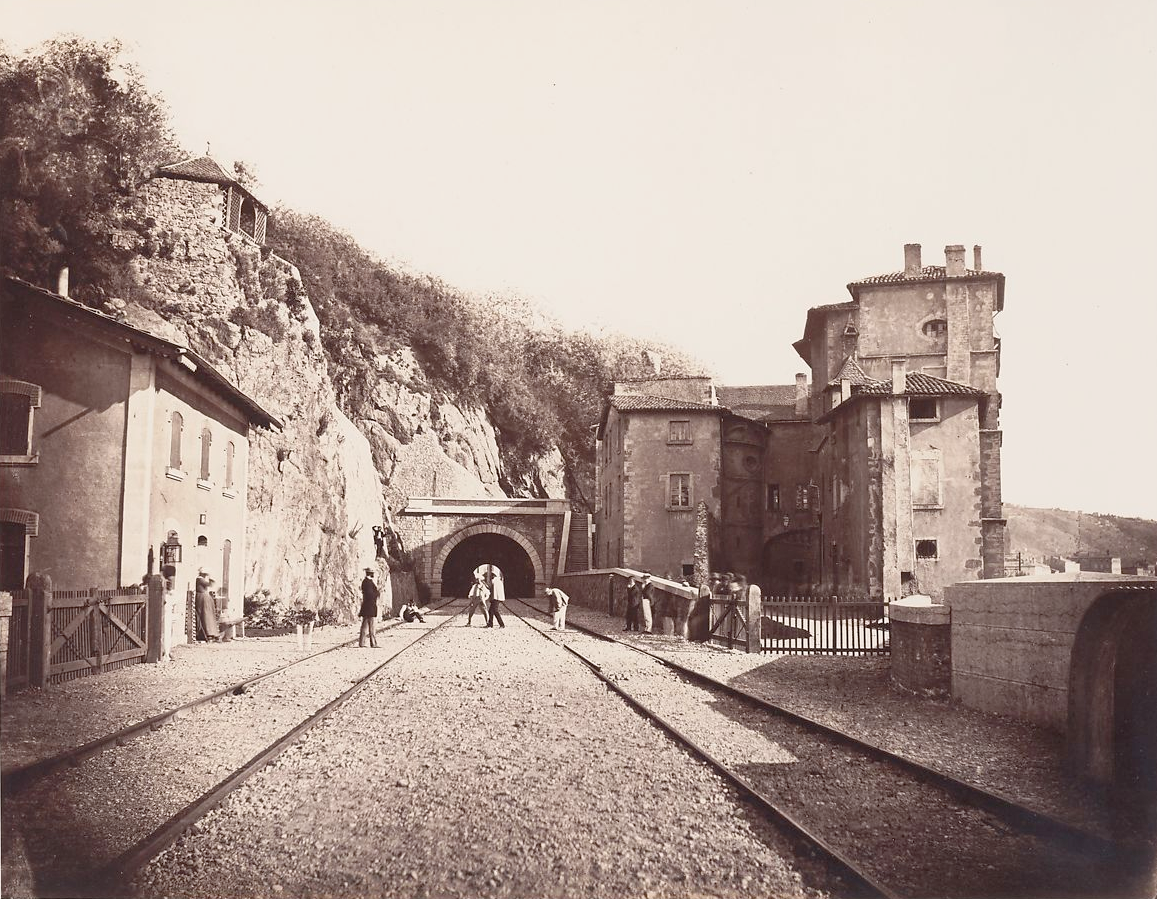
317	487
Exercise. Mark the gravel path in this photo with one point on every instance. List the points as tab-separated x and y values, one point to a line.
871	811
855	695
482	763
60	830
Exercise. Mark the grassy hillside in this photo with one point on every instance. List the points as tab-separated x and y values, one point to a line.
1040	533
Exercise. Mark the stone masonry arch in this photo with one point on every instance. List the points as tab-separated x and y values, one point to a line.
433	527
488	528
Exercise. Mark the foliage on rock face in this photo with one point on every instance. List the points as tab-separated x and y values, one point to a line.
542	385
78	133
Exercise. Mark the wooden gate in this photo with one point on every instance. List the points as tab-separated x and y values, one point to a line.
825	625
95	631
728	621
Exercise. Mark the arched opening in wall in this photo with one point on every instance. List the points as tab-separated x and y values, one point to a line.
248	221
494	549
1113	705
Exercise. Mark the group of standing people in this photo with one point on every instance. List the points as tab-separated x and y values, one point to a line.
646	605
488	592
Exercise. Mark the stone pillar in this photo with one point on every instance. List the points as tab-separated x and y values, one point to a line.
39	629
921	646
754	614
5	623
155	622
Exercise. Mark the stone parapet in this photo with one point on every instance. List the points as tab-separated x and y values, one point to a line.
921	640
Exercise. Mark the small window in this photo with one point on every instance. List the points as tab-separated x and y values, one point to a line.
206	444
679	491
937	327
178	424
773	497
927	549
202	540
18	399
923	408
679	432
248	218
802	497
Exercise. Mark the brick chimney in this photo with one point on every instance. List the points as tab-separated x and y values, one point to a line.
954	261
801	397
976	266
900	375
912	259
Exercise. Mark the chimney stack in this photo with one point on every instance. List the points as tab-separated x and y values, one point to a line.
801	397
62	282
899	376
912	266
976	266
954	261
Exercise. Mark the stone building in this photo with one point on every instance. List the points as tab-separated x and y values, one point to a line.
881	478
117	448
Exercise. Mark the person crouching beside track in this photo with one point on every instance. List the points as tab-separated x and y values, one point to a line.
558	603
369	610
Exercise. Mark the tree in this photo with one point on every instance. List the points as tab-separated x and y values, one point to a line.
78	133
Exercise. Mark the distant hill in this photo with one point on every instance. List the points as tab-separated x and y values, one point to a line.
1040	533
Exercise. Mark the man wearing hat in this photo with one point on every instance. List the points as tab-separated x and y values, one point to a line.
206	610
369	610
647	602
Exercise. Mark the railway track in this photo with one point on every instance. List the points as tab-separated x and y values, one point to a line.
891	826
15	779
91	873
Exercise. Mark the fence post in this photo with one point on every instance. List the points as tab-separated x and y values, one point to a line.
611	594
5	622
154	617
39	629
754	614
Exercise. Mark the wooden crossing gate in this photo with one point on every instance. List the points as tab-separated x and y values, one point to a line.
95	631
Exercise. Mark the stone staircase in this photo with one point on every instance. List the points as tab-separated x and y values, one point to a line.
577	551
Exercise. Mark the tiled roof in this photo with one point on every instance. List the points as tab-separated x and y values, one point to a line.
150	342
768	402
203	168
917	383
851	372
644	403
927	273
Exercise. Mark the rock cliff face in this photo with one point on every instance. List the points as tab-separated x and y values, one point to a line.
318	487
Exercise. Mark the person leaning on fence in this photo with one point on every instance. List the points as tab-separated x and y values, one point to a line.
478	596
558	603
369	610
634	597
206	608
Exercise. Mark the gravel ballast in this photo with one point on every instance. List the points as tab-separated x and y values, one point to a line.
481	763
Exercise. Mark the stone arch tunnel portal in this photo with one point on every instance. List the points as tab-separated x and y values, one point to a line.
494	549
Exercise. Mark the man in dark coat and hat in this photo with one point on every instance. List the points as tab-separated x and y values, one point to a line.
369	610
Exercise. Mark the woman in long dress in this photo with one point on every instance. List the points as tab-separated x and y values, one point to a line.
206	610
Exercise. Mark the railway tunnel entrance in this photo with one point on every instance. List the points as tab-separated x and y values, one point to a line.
488	549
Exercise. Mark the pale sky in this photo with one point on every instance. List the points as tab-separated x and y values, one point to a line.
703	172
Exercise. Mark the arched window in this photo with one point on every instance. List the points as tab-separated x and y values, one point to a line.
178	424
206	443
229	452
936	327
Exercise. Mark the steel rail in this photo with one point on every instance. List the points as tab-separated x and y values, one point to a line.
861	883
19	777
115	875
1021	816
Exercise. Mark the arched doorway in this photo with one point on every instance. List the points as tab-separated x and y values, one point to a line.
1113	703
500	550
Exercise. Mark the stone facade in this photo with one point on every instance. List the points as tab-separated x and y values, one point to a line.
880	480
